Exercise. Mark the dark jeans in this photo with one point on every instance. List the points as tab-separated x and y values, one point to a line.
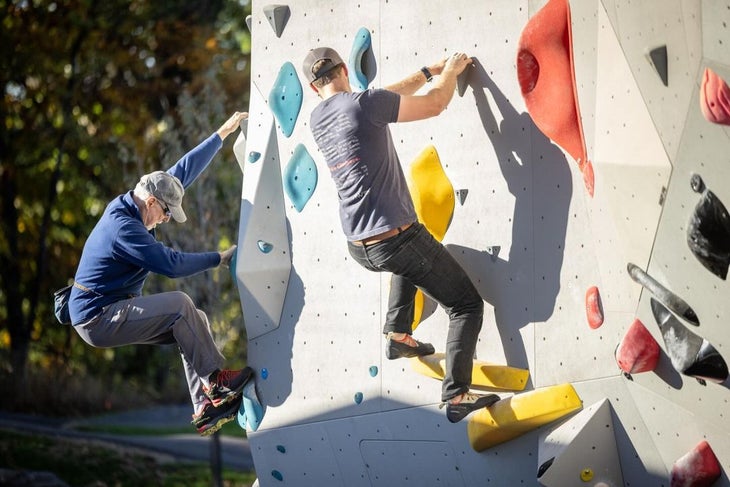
417	260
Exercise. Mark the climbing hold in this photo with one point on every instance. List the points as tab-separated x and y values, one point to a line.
547	81
715	98
373	370
638	351
357	64
249	21
516	415
358	397
594	308
708	231
251	410
264	374
300	177
658	58
285	98
690	354
265	247
278	16
483	374
667	297
277	475
493	251
253	156
461	195
586	475
280	448
697	468
232	268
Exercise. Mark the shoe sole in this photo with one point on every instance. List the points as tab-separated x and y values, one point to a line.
458	416
215	427
404	351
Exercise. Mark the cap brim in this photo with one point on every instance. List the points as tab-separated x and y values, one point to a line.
178	214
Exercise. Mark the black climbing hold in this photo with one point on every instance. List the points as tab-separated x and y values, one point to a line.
544	467
708	231
658	57
667	297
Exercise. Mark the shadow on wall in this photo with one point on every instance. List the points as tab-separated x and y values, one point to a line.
522	287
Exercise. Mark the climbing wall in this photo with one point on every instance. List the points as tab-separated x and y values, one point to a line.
584	158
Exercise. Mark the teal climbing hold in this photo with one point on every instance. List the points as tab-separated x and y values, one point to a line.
358	397
281	448
278	16
373	370
232	268
300	177
356	65
253	156
277	475
251	412
265	247
285	98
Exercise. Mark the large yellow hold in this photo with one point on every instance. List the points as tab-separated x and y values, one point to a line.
434	201
483	374
514	416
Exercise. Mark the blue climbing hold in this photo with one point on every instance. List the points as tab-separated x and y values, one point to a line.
300	177
251	410
277	475
360	47
232	268
373	370
253	156
281	448
264	374
358	397
285	98
264	247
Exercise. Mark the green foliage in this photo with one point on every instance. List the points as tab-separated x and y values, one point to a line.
93	96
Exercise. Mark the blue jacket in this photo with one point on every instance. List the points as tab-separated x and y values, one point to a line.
120	252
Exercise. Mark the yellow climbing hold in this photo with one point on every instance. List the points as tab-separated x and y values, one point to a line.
483	374
511	417
586	475
434	201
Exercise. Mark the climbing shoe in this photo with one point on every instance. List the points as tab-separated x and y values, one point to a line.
211	418
226	385
469	403
408	347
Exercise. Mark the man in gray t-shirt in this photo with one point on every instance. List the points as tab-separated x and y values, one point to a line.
377	214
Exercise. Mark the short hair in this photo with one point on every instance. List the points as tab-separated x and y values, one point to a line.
141	192
328	77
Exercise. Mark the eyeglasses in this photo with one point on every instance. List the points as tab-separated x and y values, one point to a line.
165	208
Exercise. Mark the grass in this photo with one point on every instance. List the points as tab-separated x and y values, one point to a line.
229	429
85	463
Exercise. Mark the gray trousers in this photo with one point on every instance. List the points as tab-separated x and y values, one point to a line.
159	319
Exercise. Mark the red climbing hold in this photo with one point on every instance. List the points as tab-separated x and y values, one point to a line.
547	81
697	468
638	351
715	98
594	309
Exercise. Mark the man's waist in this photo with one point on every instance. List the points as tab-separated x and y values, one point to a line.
382	236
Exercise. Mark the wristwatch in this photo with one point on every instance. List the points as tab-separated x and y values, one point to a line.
427	74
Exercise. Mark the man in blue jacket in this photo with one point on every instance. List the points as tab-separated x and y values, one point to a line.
107	307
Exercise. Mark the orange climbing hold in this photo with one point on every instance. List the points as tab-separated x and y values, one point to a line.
638	351
594	309
547	81
715	98
697	468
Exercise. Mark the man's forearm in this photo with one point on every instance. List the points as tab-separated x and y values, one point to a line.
408	85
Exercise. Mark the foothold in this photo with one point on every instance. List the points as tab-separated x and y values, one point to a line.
690	354
357	63
697	468
265	247
277	475
667	297
493	251
638	351
232	268
278	16
715	98
358	397
300	177
249	21
594	307
547	80
264	374
373	370
586	475
253	156
251	411
544	467
280	448
461	195
658	58
708	231
285	98
484	375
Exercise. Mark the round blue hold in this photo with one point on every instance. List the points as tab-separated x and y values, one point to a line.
373	370
265	247
277	475
358	397
253	156
264	374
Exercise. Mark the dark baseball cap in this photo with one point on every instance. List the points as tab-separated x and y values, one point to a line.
314	56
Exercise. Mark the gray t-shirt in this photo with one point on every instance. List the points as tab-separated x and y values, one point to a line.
351	130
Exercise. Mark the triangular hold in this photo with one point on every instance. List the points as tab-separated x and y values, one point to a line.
658	57
493	251
697	468
278	16
708	231
594	308
483	374
461	195
638	351
690	354
249	21
582	449
667	297
514	416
